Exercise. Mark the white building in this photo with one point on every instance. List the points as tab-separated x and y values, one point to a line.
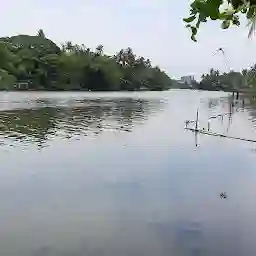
187	79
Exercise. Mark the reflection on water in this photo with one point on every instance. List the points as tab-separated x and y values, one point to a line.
224	109
42	119
146	192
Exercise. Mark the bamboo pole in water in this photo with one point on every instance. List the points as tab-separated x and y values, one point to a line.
219	135
196	120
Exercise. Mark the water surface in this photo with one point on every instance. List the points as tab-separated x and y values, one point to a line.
116	174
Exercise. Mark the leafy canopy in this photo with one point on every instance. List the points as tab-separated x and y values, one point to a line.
226	11
42	65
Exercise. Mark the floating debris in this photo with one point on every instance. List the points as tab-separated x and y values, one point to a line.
223	195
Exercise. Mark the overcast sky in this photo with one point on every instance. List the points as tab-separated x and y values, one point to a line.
153	28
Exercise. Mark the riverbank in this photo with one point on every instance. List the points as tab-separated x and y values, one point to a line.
37	63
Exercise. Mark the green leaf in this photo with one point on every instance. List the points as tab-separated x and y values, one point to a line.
202	18
193	38
236	21
244	9
250	13
198	23
194	30
213	8
216	2
225	24
189	19
225	16
214	15
237	3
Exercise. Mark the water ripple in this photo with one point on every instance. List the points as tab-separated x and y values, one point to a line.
40	120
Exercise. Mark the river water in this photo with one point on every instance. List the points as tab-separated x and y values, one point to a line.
117	174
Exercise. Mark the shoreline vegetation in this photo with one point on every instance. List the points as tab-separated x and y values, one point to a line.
37	63
232	81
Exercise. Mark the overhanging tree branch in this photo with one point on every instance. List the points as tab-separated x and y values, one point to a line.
228	12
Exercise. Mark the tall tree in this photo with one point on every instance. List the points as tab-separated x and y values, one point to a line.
43	65
69	46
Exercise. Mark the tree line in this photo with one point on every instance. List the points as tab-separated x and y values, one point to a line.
228	81
37	63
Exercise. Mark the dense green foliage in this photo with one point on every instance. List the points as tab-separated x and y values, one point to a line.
37	63
226	11
230	81
216	80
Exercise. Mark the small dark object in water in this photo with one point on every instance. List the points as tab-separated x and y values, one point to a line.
223	195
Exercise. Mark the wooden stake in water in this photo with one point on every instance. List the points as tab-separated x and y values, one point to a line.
196	120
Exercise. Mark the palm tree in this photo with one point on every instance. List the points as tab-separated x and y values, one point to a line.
69	46
148	63
83	48
63	47
77	49
41	33
99	49
244	72
252	20
120	58
140	62
130	57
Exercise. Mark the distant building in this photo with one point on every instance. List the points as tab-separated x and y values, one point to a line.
187	79
185	82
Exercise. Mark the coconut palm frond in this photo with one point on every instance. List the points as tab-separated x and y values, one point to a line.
252	24
252	27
